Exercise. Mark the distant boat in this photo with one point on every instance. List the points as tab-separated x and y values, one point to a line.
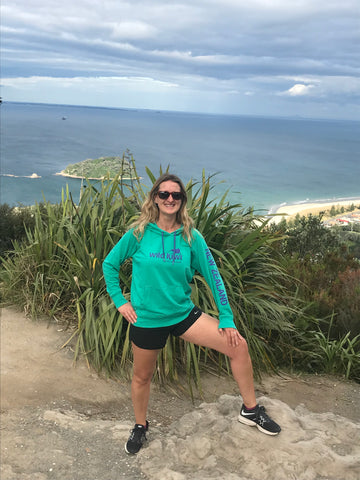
63	118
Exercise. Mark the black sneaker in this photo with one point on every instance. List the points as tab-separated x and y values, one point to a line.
137	438
259	418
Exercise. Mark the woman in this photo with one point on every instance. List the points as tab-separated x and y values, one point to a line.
166	251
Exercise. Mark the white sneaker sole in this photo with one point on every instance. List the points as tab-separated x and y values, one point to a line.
251	423
130	453
127	451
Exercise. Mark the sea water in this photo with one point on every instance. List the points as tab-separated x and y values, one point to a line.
265	162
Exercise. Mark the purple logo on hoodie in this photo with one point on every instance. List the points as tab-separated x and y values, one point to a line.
174	255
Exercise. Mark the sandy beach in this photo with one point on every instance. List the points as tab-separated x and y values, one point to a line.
63	174
314	208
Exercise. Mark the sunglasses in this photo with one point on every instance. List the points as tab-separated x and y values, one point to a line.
175	195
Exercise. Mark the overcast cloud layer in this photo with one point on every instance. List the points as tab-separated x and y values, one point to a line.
261	57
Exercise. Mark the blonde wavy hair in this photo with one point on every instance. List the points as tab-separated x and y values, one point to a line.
150	211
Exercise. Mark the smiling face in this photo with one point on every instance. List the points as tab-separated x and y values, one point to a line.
168	206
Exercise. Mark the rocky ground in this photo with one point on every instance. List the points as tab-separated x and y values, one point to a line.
60	421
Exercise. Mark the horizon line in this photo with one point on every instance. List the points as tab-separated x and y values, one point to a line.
185	112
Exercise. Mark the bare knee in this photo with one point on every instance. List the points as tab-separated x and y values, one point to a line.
240	352
142	378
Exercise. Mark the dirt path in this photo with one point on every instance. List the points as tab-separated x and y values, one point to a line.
64	422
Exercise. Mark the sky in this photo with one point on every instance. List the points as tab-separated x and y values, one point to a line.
256	57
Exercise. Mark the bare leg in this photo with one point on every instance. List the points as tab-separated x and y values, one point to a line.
144	366
205	332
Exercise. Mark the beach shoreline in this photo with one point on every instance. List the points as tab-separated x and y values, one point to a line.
314	208
63	174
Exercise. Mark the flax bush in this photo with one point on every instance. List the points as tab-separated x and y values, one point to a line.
57	272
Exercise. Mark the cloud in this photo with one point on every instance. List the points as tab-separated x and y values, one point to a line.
302	49
100	82
132	30
336	88
299	90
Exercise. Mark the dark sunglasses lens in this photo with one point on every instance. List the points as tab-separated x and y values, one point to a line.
165	195
177	195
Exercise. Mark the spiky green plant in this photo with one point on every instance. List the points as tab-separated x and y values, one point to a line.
57	272
322	353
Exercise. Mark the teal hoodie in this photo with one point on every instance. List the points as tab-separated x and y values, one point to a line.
163	266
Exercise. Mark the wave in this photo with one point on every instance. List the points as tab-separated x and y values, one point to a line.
33	175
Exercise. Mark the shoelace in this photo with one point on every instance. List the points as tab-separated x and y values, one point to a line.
136	433
262	416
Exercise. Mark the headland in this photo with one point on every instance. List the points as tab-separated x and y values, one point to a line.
100	168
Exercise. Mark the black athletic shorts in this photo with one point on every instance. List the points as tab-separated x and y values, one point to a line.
155	338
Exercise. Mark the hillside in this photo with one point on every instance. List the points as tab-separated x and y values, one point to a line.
99	168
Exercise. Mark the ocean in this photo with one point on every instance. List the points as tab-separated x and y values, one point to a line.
265	162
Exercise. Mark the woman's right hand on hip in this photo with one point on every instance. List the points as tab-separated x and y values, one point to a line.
128	312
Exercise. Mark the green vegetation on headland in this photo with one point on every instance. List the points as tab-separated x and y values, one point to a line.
294	289
103	167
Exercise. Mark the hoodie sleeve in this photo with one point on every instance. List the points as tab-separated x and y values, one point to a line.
203	261
124	249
